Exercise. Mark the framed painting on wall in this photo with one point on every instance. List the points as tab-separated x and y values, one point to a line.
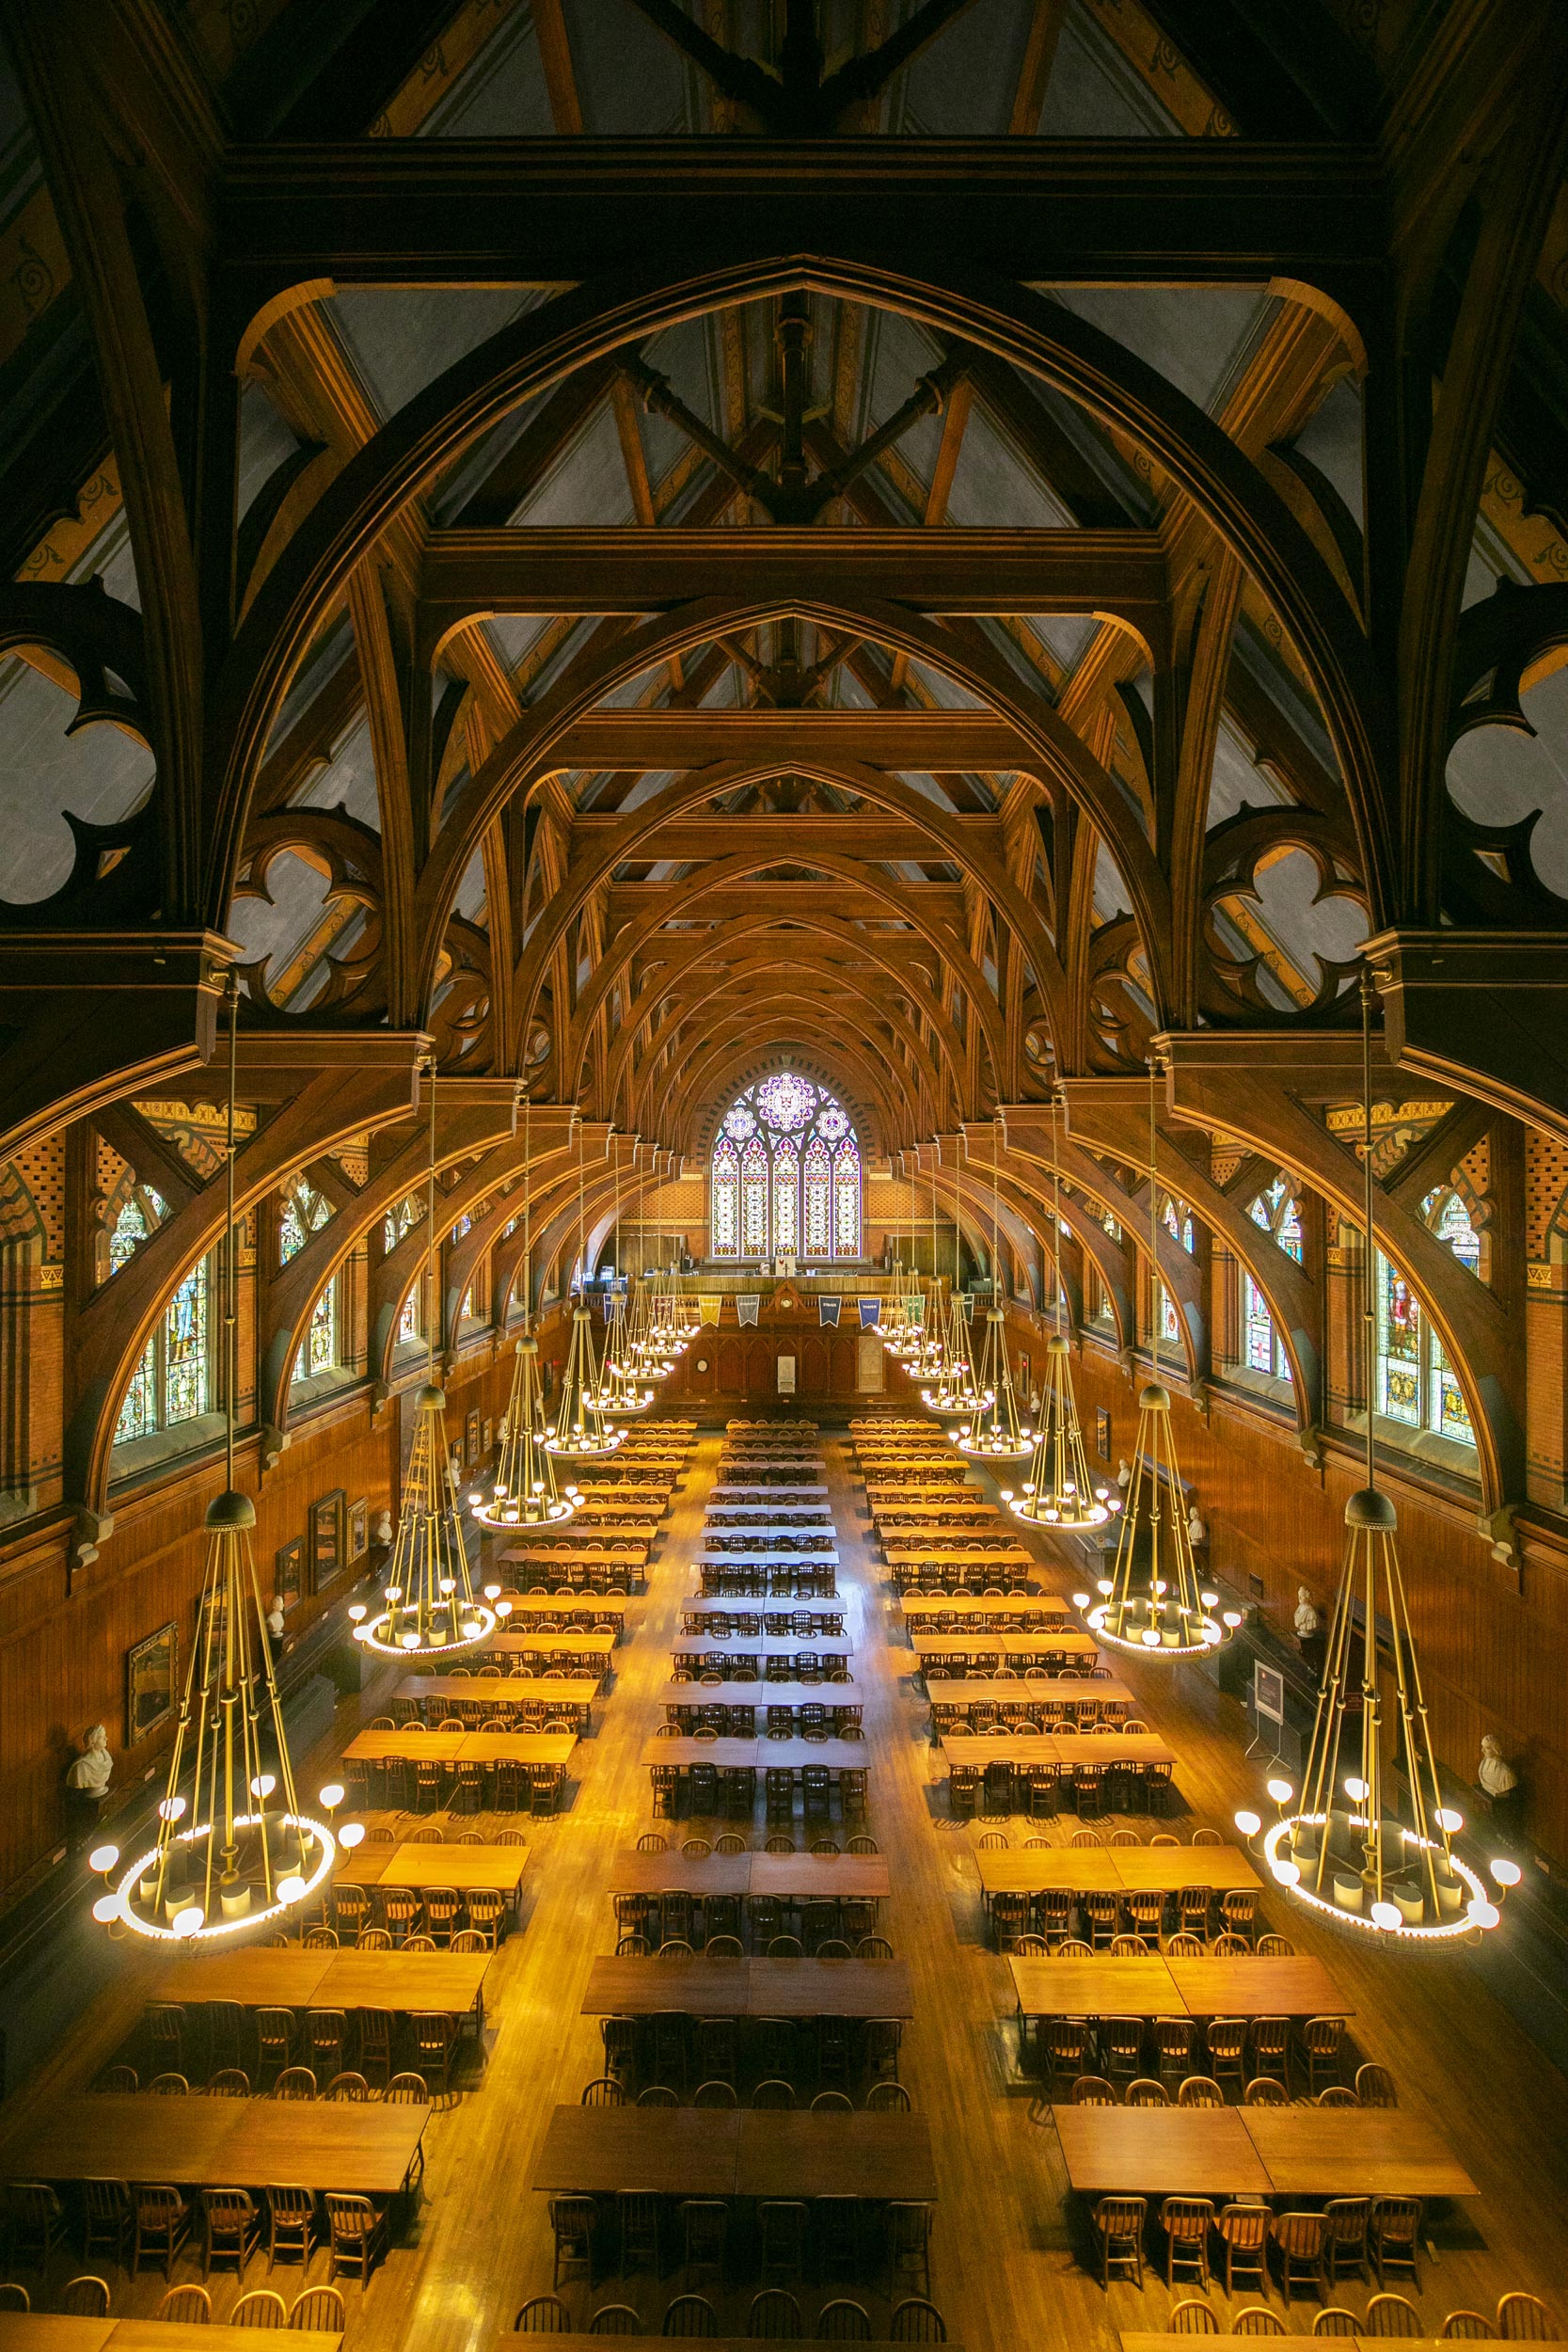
487	1439
470	1439
1102	1433
358	1528
326	1538
288	1572
150	1667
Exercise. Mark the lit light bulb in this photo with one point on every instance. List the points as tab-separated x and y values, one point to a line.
290	1889
1248	1823
1385	1915
103	1858
1102	1585
105	1909
332	1795
1232	1618
1280	1791
351	1834
503	1609
1287	1873
1355	1789
492	1592
1506	1873
410	1640
189	1921
171	1809
1208	1599
1150	1637
1451	1820
1079	1600
448	1586
263	1785
1482	1913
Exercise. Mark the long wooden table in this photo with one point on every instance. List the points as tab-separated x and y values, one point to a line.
462	1747
1054	1751
565	2342
687	1696
693	2151
267	1977
794	1878
595	1648
53	2331
468	1869
609	1609
1110	1986
1001	1642
983	1609
959	1694
214	2143
562	1691
1114	1869
749	1988
1259	2152
746	1579
755	1650
724	1490
735	1755
745	1551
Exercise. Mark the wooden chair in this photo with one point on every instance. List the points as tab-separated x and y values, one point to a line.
657	2095
1256	2320
690	2315
1466	2323
1121	2045
909	2242
106	2218
705	2231
1093	2090
14	2298
356	2235
1392	2316
1226	2039
291	2224
274	2041
615	2319
348	2089
230	2082
543	2315
1269	2047
163	2220
1242	2231
1334	2320
1275	1947
1175	2041
1321	2042
86	2297
1186	2222
186	2307
603	2092
916	2320
1394	2235
1375	2087
1118	2223
775	2312
887	2099
1300	2238
320	2308
1200	2091
1146	2092
295	2082
261	2307
1063	2043
170	2087
230	2227
1523	2318
1346	2248
1192	2318
715	2095
375	2039
1264	2091
434	2035
844	2321
1337	2095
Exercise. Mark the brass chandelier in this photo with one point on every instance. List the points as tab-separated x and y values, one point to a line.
233	1850
1344	1854
582	1432
430	1610
994	1431
1059	1490
525	1493
1152	1603
619	1389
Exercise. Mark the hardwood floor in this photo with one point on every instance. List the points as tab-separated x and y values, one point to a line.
1009	2255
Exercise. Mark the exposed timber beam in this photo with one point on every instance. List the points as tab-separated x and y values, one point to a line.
793	837
927	742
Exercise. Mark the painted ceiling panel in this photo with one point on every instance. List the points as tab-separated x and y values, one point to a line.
992	489
963	86
402	337
588	484
265	443
1331	440
1194	335
348	780
1094	94
503	95
629	79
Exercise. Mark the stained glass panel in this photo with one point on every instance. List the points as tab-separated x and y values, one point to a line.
1454	1229
401	1220
726	1200
1452	1419
846	1201
1263	1351
319	1352
786	1197
138	1414
130	1230
754	1200
786	1101
817	1188
185	1349
408	1321
1169	1328
1399	1346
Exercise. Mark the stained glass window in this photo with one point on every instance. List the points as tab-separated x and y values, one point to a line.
846	1199
142	1214
408	1321
1449	1219
318	1350
1170	1327
305	1212
1178	1223
1279	1214
754	1200
726	1199
172	1381
817	1187
785	1174
401	1220
1264	1352
786	1197
1399	1346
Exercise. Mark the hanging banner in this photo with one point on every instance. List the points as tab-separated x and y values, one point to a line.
707	1308
826	1312
915	1310
871	1313
746	1307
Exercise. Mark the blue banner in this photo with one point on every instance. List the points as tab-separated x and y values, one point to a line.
826	1312
871	1313
746	1307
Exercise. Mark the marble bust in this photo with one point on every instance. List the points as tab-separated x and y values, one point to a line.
1495	1774
91	1771
1306	1618
1124	1473
384	1527
1196	1532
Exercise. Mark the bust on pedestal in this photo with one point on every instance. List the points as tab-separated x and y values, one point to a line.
1310	1637
86	1786
1498	1784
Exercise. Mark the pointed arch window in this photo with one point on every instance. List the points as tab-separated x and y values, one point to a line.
1279	1211
305	1212
1416	1384
1179	1222
410	1324
318	1350
172	1381
139	1217
785	1174
401	1220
